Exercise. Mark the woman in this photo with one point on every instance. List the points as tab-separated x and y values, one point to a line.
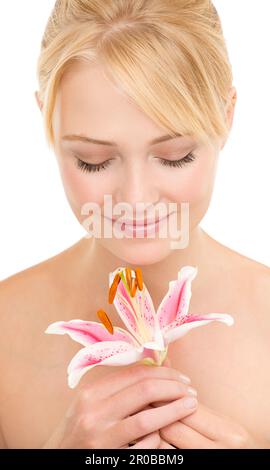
153	80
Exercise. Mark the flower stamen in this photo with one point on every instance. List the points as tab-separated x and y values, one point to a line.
105	320
139	278
113	288
133	286
128	277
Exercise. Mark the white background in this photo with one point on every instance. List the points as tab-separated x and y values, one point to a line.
36	220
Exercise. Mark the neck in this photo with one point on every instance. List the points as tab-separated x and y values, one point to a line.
98	262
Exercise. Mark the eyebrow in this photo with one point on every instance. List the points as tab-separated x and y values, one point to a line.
84	138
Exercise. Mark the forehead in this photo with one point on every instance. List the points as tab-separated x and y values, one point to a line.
88	102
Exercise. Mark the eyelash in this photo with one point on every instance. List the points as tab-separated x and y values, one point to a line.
91	168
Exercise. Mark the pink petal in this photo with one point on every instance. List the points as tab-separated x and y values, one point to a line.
132	310
177	329
175	304
123	304
113	353
88	332
126	310
146	307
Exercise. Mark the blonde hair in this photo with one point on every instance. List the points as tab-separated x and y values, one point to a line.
169	57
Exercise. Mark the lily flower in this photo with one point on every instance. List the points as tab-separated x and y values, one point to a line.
148	332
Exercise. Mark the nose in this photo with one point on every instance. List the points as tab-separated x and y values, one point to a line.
137	184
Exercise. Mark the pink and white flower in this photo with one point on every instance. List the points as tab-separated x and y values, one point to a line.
148	332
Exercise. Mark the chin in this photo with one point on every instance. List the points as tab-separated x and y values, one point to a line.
139	252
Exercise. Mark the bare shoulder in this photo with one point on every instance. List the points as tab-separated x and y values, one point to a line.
29	297
259	283
251	277
29	301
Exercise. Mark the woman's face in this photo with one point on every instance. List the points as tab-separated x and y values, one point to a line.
89	104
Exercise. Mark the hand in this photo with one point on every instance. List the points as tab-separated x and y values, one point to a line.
206	429
109	412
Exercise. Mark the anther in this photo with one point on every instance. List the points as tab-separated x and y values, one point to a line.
133	287
113	288
128	277
139	278
105	320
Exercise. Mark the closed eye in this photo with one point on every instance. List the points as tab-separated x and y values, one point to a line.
92	167
190	157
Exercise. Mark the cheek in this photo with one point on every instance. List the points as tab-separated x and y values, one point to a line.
195	184
82	187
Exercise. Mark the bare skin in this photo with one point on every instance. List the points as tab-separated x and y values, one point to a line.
229	367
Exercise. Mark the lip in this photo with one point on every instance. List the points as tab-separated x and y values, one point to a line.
140	222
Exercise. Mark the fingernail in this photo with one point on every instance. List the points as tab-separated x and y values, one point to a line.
192	391
183	378
190	402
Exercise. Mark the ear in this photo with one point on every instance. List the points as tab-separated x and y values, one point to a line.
39	102
230	108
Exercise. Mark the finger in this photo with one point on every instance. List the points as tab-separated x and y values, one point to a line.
152	441
150	420
134	398
209	423
165	445
189	390
206	422
135	441
113	382
168	363
184	437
